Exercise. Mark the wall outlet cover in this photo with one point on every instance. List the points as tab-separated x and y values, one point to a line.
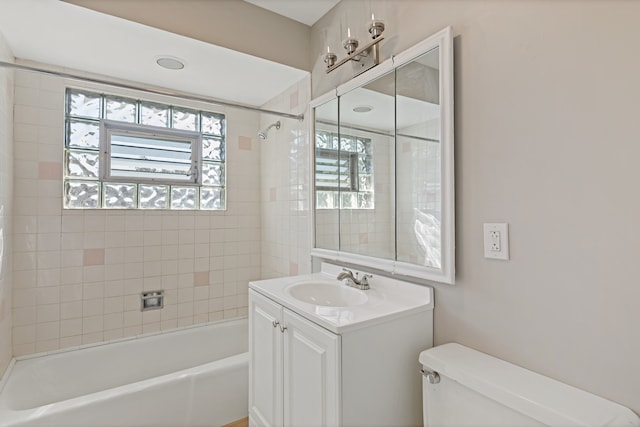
496	240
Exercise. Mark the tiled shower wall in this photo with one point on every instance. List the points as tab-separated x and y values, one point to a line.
6	204
79	273
285	186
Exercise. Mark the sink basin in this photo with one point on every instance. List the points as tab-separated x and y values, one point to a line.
326	294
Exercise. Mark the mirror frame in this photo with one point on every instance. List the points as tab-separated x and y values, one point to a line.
446	274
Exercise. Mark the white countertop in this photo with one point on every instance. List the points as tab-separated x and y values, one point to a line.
386	299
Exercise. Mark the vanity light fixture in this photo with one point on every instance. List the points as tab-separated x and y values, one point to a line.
363	58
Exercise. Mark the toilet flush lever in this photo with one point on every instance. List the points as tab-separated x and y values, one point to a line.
432	377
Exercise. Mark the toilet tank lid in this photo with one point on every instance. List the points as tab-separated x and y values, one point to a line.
546	400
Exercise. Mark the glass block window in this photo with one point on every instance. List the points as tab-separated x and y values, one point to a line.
123	153
343	172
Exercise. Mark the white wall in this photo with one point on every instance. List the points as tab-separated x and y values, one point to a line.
79	273
547	130
6	204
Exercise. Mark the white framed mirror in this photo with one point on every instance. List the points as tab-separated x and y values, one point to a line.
384	166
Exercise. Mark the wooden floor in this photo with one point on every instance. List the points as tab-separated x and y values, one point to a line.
238	423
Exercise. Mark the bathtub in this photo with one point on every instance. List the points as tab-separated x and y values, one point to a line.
192	377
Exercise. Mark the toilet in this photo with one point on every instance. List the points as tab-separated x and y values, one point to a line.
464	387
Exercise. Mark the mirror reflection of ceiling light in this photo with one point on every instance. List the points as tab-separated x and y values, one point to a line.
170	63
362	108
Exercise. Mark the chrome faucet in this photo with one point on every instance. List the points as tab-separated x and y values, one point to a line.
354	282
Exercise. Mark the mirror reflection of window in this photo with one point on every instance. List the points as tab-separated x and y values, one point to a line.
344	172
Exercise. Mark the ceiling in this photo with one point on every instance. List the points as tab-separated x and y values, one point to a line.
62	34
305	11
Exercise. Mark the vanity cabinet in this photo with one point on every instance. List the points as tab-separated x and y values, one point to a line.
294	378
303	375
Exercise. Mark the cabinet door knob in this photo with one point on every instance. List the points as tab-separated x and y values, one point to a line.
282	328
275	323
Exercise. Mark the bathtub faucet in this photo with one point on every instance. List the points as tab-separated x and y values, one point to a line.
354	282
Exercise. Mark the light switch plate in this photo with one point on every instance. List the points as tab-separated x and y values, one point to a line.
496	240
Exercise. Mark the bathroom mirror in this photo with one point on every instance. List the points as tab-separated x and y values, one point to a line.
383	165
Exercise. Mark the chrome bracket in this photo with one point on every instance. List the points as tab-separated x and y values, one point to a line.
365	58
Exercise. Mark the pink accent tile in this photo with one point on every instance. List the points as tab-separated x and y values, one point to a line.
272	194
293	268
244	143
201	278
93	257
49	170
293	99
406	147
364	238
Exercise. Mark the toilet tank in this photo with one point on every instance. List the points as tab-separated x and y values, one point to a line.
474	389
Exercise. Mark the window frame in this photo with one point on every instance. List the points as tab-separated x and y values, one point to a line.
358	197
351	157
111	127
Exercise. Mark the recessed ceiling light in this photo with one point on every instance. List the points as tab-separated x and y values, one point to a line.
170	63
362	109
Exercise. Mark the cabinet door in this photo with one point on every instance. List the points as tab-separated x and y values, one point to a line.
265	361
311	374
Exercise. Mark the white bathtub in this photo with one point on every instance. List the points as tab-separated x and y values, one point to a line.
192	377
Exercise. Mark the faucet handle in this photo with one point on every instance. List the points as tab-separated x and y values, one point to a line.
365	279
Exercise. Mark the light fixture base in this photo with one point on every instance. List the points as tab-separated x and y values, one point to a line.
366	60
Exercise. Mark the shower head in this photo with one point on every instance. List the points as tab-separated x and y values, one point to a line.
263	133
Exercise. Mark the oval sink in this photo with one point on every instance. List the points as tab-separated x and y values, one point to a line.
327	294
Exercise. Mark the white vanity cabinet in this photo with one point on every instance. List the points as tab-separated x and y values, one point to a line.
319	365
295	368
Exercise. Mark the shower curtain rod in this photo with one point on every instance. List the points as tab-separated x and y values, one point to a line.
152	90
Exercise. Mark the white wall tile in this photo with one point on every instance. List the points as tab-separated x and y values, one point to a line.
71	310
48	313
70	327
114	321
24	316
